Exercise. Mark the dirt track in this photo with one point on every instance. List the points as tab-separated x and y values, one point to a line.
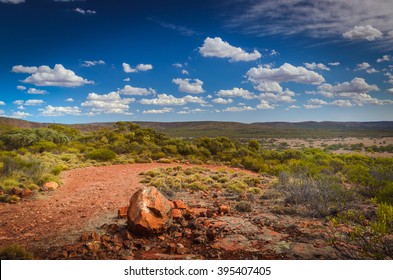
88	198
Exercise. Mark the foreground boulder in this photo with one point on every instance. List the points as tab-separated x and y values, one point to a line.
149	212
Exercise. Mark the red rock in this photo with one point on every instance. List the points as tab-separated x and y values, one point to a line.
95	236
171	248
179	204
122	212
84	236
26	193
224	209
93	246
171	204
149	212
176	213
50	186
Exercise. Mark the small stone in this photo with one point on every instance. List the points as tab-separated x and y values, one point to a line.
224	209
200	240
26	193
179	204
50	186
122	212
93	246
84	236
180	249
176	213
95	236
171	248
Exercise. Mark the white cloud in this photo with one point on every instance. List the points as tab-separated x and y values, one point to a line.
69	100
12	1
21	107
342	103
268	87
184	72
313	66
390	90
186	85
178	65
347	89
292	107
110	103
45	76
372	70
385	58
285	73
33	102
52	111
20	115
308	106
22	88
264	105
130	90
363	66
237	92
317	19
216	47
85	12
222	101
239	109
366	32
18	102
390	77
286	96
140	67
2	103
334	63
161	111
89	63
127	79
316	102
36	91
166	100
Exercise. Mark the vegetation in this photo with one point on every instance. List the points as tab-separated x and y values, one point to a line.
316	181
15	252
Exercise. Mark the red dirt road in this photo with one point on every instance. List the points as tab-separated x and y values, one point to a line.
88	198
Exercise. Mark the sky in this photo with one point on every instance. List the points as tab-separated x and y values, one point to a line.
80	61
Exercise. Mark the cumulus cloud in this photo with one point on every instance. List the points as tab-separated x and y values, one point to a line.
342	103
85	12
110	103
222	101
237	92
36	91
184	72
130	90
366	32
334	63
53	111
18	102
186	85
285	96
390	90
34	102
239	109
2	103
90	63
264	105
20	115
45	76
216	47
139	68
313	66
69	100
292	107
347	89
12	1
166	100
160	111
366	67
385	58
268	87
285	73
22	88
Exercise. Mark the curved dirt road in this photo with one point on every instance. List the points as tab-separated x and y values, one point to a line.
88	198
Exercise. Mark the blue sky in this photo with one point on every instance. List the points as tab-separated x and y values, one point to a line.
74	61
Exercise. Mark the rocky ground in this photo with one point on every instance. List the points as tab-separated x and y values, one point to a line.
80	221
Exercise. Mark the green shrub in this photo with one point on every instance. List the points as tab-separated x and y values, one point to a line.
15	252
244	206
101	155
385	195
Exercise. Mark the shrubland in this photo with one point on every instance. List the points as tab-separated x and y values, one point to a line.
321	183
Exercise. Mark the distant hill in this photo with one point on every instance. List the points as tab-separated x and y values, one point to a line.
237	130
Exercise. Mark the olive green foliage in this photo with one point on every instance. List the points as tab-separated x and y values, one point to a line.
244	206
367	238
15	252
101	155
198	178
322	196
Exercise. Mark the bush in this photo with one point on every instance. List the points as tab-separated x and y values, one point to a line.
322	196
101	155
244	206
15	252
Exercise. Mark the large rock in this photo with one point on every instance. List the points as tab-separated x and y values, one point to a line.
149	212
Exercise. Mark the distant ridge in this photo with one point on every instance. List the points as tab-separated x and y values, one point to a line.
192	129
